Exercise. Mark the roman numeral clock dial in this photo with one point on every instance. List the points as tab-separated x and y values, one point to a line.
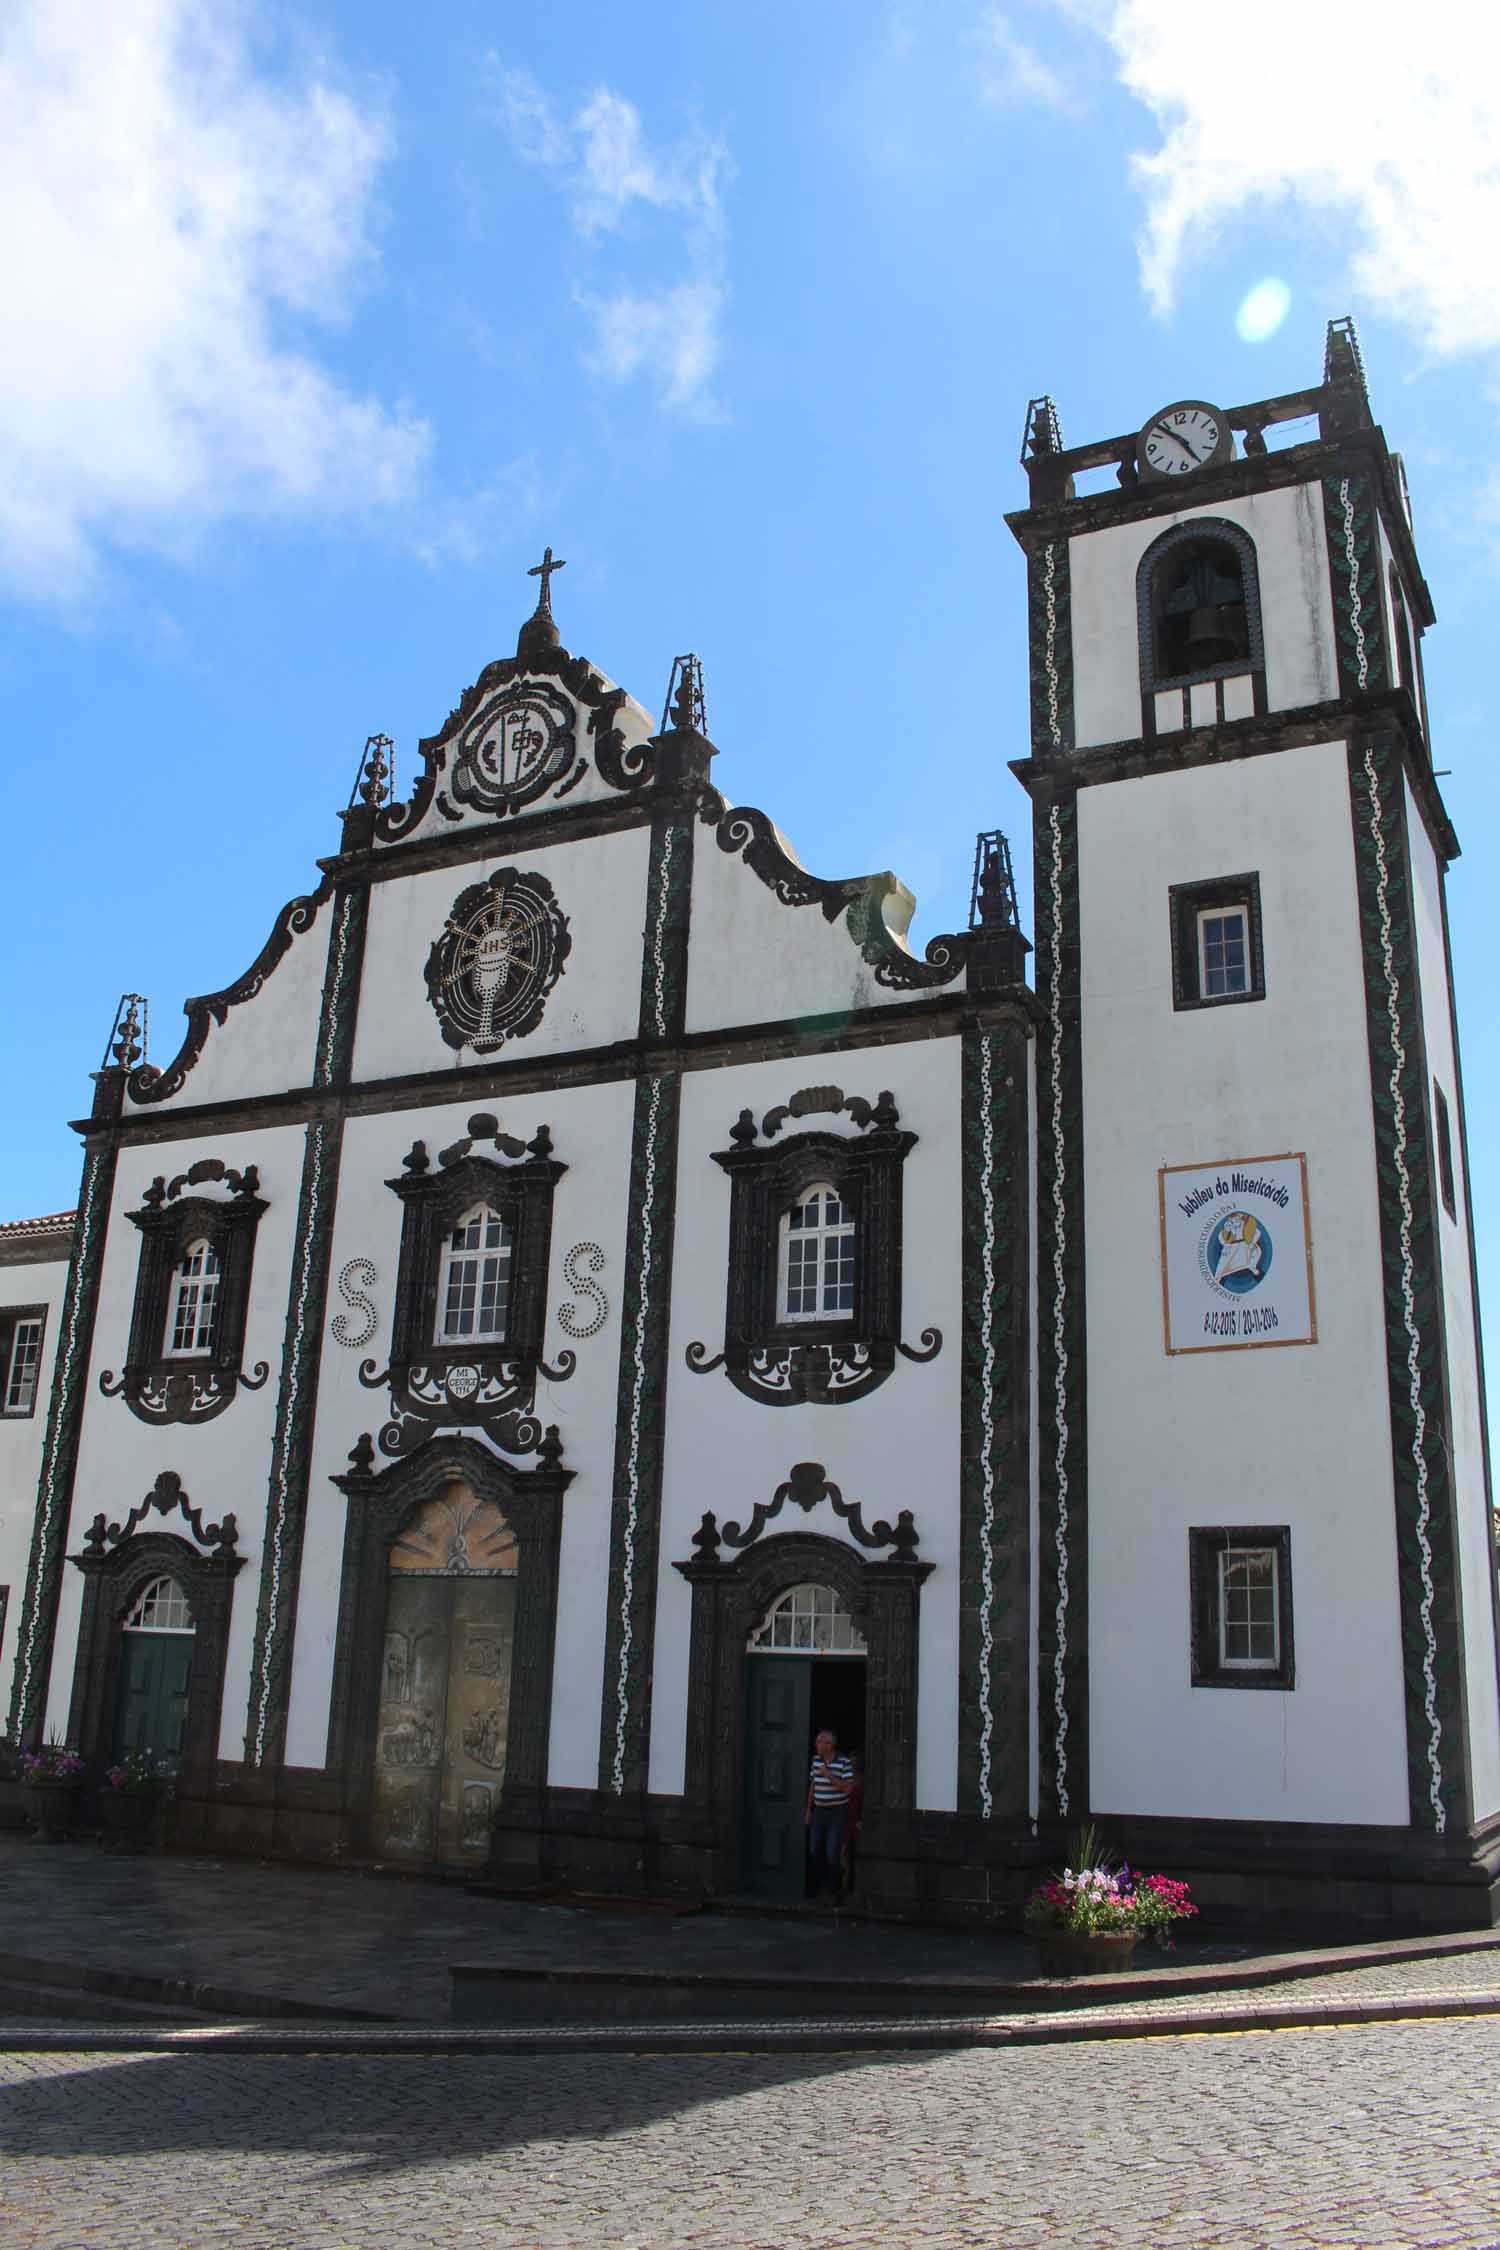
1190	435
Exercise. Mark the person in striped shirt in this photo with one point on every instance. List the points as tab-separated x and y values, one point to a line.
828	1787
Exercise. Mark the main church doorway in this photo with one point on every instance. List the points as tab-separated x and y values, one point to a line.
805	1669
444	1715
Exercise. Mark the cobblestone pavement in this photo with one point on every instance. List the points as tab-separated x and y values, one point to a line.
1359	2138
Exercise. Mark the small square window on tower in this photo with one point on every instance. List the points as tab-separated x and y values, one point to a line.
1216	943
1241	1606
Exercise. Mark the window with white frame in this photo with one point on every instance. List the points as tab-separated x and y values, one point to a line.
1217	954
1247	1606
20	1362
1223	951
811	1619
1242	1606
817	1257
161	1607
193	1308
474	1279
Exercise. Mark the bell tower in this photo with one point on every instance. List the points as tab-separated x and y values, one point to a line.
1267	1590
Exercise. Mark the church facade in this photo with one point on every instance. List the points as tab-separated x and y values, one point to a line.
591	1305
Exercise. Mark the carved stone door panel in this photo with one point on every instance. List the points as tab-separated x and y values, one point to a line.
443	1721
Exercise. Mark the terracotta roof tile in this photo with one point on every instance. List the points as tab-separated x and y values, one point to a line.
49	1225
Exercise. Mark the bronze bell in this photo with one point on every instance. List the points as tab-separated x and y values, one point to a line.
1207	640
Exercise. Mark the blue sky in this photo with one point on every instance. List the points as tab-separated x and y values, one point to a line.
325	319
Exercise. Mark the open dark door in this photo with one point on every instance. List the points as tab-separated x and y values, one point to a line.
777	1710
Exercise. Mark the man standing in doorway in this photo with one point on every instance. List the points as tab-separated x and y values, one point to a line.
828	1787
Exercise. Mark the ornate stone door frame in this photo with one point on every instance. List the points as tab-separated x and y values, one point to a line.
112	1582
729	1600
381	1504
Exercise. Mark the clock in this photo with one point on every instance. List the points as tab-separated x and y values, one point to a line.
1190	435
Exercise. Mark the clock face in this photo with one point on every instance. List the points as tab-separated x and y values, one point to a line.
1183	437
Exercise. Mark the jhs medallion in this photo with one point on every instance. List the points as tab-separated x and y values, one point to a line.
501	951
515	749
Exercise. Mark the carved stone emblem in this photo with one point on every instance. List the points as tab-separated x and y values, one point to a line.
515	748
501	951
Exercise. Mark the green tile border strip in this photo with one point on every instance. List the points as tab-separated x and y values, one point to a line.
995	1401
37	1626
1432	1656
640	1431
1062	1575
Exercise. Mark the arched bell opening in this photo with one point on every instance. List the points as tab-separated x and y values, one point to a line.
1202	658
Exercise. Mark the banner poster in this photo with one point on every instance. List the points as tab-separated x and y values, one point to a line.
1236	1254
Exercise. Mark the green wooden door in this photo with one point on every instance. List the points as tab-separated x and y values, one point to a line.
151	1702
778	1693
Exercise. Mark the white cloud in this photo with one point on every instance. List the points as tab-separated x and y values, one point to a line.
1011	74
169	212
1386	121
667	330
469	527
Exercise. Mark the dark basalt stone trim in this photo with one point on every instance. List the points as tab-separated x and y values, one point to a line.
380	1505
640	1440
729	1601
291	1449
147	1084
432	1202
112	1582
37	1624
796	1040
994	1692
1357	452
487	839
1431	1620
157	1387
1049	609
1257	737
50	1248
1062	1371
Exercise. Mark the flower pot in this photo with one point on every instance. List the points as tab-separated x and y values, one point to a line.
50	1804
1087	1953
128	1814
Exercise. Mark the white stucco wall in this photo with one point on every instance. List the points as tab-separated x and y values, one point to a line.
897	1448
265	1044
21	1436
1286	527
600	884
223	1463
754	959
1297	1436
1470	1499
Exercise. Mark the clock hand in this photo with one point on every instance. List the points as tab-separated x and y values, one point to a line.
1176	440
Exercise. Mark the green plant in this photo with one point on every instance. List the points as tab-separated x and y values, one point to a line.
139	1774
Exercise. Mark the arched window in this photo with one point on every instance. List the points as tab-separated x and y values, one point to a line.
161	1607
810	1619
474	1279
193	1310
1200	636
817	1257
